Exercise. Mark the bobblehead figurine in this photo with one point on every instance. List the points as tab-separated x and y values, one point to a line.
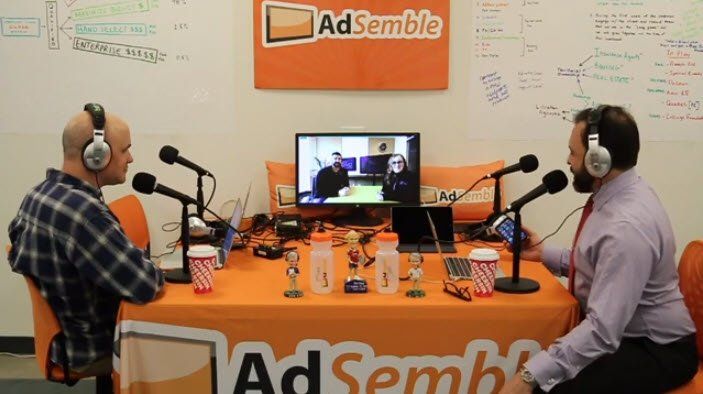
292	271
415	274
354	283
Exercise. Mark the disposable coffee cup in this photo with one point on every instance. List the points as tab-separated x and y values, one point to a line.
201	262
483	271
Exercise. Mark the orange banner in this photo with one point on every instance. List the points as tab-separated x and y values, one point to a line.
345	44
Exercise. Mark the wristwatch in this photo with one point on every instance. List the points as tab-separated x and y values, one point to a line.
527	377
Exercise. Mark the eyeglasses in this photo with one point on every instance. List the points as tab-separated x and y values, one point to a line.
397	162
459	292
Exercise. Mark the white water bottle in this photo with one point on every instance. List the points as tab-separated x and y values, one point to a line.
387	263
321	263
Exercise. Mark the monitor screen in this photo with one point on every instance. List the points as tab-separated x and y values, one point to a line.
387	173
349	163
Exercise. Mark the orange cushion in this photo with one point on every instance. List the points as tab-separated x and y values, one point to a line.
441	185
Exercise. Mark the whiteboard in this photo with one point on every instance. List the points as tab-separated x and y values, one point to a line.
166	65
536	63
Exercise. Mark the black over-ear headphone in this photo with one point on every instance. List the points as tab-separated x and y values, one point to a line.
597	159
96	151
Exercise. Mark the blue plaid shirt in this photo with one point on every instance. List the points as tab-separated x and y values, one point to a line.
66	238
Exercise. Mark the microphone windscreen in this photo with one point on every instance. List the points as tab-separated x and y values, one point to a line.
144	183
529	163
555	181
168	154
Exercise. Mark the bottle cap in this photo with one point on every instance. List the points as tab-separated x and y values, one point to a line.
387	237
321	236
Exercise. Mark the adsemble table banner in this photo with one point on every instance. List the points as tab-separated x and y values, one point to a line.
351	44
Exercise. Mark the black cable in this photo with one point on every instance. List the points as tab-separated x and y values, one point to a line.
441	241
466	191
560	226
100	191
214	187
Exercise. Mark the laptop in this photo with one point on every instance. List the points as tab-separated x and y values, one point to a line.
234	222
411	224
458	268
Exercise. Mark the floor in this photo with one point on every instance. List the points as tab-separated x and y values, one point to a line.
21	375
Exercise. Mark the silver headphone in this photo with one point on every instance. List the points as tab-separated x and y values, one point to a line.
597	159
96	151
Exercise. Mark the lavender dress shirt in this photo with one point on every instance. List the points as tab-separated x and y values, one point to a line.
626	280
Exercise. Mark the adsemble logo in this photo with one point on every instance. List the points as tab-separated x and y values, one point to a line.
294	24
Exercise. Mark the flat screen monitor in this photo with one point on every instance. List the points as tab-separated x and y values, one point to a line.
349	163
388	172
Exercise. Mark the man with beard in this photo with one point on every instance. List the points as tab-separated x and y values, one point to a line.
636	335
333	180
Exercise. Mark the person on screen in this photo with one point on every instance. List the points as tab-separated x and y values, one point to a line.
399	184
636	335
65	238
333	180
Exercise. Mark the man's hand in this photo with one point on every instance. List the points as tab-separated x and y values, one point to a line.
344	191
516	386
530	249
379	196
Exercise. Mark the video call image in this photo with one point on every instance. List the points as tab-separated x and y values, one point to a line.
358	169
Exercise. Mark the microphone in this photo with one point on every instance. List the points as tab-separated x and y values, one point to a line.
527	163
146	183
554	182
169	155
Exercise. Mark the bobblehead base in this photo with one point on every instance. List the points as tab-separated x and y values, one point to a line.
356	286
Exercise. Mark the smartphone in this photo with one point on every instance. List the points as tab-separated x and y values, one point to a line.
504	226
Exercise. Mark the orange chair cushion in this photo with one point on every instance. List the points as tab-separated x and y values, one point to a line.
46	328
691	284
438	186
130	212
441	185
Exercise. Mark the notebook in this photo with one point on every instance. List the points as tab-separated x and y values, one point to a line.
411	224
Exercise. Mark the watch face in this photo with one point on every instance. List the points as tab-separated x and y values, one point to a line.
526	375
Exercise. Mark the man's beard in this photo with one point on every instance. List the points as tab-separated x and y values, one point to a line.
583	181
336	164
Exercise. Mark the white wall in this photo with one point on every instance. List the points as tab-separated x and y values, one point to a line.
266	121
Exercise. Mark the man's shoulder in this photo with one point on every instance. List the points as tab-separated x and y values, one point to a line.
72	202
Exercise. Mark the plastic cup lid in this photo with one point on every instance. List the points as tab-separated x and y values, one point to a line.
202	251
484	255
321	236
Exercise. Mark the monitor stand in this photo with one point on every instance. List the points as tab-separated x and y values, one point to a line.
358	218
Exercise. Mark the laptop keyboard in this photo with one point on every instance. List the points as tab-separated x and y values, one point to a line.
459	268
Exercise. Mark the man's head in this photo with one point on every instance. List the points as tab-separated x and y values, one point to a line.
336	159
79	132
618	134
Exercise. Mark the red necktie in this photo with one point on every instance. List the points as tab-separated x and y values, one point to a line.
587	209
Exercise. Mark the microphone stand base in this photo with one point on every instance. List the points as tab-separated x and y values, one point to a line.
177	276
522	286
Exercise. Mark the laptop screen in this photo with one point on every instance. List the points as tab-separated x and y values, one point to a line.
410	223
234	222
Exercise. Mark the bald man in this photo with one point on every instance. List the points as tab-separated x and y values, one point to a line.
65	238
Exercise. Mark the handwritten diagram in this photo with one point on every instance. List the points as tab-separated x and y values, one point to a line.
97	29
156	62
536	63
